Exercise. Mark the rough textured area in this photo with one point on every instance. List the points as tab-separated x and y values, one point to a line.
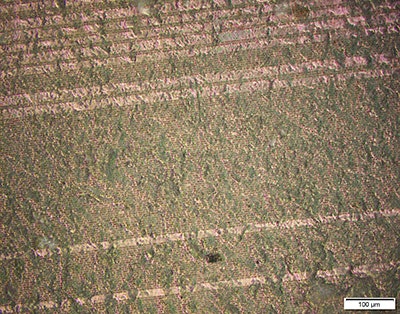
198	156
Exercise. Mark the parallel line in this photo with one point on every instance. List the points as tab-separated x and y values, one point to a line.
123	296
174	237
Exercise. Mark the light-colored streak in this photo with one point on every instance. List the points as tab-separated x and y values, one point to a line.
256	85
241	282
174	21
217	232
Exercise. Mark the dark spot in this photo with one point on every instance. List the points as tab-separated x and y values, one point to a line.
300	12
213	257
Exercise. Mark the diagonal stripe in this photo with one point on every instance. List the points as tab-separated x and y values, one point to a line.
253	86
122	296
174	237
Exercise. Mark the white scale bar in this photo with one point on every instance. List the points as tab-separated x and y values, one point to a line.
370	304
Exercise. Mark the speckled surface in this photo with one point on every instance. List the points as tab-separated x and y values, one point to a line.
198	156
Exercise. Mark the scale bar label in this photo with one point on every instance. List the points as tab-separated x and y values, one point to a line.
370	304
